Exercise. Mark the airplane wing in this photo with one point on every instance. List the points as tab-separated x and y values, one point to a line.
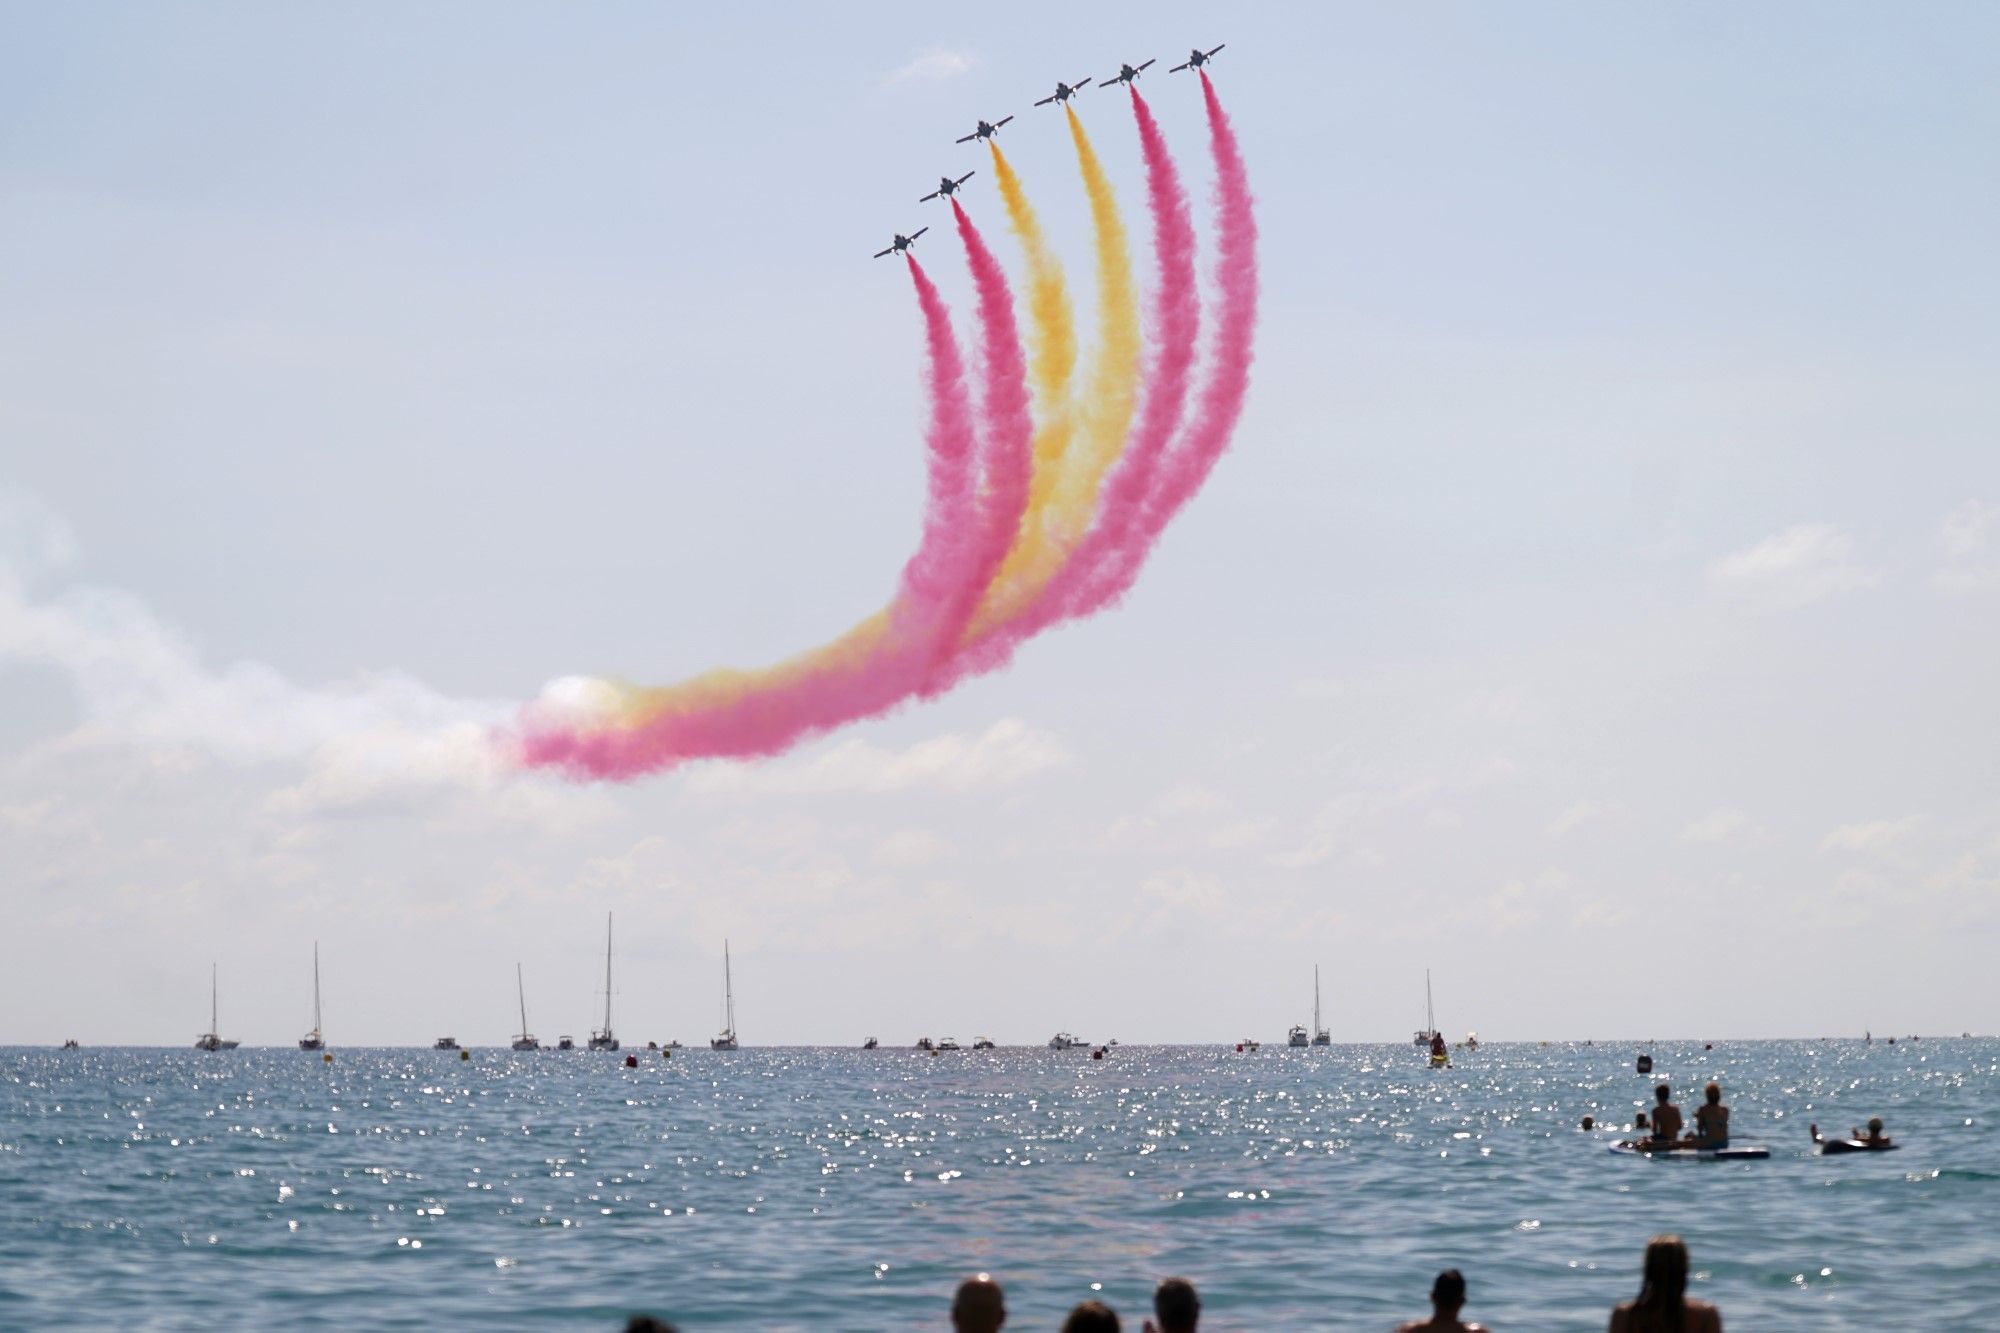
966	177
1147	65
998	123
932	195
1084	84
920	231
1218	48
967	139
1045	101
891	250
1178	68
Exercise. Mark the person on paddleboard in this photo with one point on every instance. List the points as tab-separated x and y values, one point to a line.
1666	1116
1711	1120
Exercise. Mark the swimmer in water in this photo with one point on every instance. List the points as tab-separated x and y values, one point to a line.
1874	1138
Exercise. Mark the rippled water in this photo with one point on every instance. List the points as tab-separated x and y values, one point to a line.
850	1190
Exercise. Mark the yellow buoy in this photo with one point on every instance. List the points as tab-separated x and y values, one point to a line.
465	1055
327	1058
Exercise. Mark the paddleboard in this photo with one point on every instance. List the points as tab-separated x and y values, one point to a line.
1693	1154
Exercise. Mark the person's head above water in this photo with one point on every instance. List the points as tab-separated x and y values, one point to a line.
978	1307
1176	1307
1448	1292
1713	1092
1662	1093
1875	1126
1666	1274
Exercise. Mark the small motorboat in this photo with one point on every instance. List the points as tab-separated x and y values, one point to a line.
565	1042
1249	1045
1064	1041
982	1043
870	1044
445	1044
926	1044
1298	1036
950	1044
72	1045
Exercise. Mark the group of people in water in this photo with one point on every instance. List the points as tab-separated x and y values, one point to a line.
1711	1126
979	1306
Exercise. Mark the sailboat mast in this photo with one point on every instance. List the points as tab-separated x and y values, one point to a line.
315	987
607	973
1316	1026
728	990
521	989
1430	1014
213	1026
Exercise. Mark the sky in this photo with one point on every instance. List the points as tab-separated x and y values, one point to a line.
1596	608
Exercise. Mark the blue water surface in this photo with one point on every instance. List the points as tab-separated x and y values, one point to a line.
794	1188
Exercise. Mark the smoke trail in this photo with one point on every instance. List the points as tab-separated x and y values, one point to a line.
1176	317
602	729
1052	343
1007	425
1220	403
1114	380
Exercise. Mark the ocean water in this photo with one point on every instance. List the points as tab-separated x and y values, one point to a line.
794	1188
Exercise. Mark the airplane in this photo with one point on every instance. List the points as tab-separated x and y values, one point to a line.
902	243
1196	59
1065	91
1126	74
984	131
947	186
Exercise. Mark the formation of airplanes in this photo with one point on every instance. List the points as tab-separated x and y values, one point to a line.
948	186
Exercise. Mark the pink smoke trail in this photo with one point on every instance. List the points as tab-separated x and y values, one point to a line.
1176	319
870	670
1007	424
1220	404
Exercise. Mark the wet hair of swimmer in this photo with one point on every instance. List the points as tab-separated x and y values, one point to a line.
1662	1094
1713	1092
1176	1305
1448	1292
1589	1123
1875	1124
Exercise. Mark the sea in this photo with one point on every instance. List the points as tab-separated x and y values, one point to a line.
841	1189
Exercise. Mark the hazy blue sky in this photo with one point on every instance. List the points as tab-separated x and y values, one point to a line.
1598	605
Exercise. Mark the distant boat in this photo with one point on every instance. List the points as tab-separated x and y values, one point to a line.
209	1041
950	1044
1250	1045
1298	1036
524	1040
565	1042
870	1044
312	1041
726	1039
982	1043
602	1038
1320	1037
445	1044
926	1044
1064	1041
72	1045
1429	1032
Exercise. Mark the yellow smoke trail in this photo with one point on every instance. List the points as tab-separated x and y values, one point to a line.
1052	357
1112	390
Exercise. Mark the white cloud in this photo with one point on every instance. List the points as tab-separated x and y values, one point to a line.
1802	564
1720	826
1005	753
934	65
1966	537
1574	817
1873	837
911	847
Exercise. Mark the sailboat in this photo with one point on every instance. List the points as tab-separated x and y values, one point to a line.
1429	1029
313	1041
209	1041
525	1041
601	1039
726	1040
1320	1037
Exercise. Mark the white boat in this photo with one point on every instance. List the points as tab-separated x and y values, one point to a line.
925	1044
1063	1041
1250	1045
445	1044
1298	1036
982	1043
726	1039
313	1041
524	1040
950	1044
602	1039
209	1041
1320	1037
565	1042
